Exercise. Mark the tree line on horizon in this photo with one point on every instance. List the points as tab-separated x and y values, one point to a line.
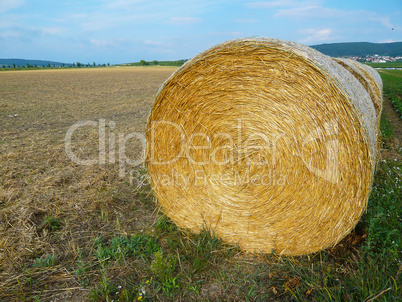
49	65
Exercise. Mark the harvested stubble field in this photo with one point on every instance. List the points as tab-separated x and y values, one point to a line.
72	232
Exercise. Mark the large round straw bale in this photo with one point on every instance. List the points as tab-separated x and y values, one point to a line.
268	143
369	78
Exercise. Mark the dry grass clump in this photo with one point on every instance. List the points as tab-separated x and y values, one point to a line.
268	143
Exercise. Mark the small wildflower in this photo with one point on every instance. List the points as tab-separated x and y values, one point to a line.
119	287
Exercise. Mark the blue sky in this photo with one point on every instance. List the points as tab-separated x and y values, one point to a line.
120	31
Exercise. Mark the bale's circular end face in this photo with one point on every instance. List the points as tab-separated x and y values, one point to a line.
261	145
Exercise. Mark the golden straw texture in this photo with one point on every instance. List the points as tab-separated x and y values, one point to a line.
369	78
371	81
268	143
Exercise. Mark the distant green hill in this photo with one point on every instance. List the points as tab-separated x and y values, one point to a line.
22	62
360	49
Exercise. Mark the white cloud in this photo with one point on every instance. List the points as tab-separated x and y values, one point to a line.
313	11
184	20
23	33
163	46
231	34
152	43
52	30
280	4
344	16
245	21
122	4
387	41
362	20
100	43
383	20
316	35
6	5
9	34
237	34
8	21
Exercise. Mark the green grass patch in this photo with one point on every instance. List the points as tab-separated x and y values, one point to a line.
51	224
397	64
121	247
386	127
384	214
392	81
46	261
163	267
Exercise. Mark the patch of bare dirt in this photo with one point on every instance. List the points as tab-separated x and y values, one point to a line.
393	117
394	143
